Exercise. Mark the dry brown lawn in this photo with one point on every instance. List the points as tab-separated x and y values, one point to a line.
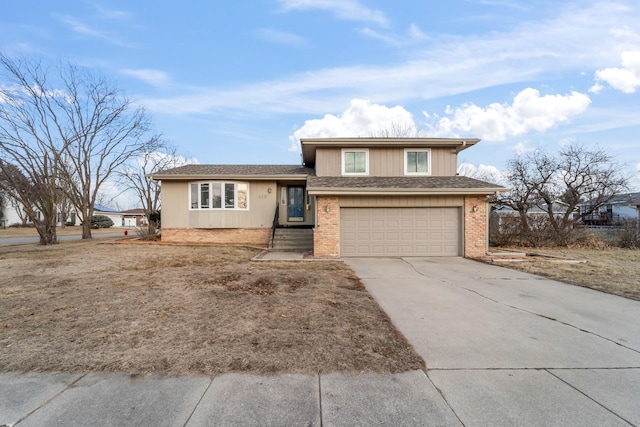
142	308
66	231
612	270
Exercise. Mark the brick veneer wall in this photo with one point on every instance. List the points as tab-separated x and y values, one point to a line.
475	226
326	234
224	236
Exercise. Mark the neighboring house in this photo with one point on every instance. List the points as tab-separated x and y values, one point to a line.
10	216
11	209
134	218
620	209
5	208
502	216
361	196
116	216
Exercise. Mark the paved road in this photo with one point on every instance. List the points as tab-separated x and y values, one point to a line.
25	240
509	348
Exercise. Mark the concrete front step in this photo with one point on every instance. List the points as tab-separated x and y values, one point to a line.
292	239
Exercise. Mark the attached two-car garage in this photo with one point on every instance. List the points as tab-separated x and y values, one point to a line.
400	231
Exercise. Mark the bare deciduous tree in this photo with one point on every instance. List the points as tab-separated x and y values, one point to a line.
135	177
397	130
106	130
576	175
67	129
29	151
37	196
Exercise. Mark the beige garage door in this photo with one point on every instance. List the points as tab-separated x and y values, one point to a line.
399	232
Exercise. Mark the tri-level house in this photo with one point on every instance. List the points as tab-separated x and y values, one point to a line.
357	197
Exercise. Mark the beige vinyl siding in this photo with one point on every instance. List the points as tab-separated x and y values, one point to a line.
444	162
401	201
386	162
328	162
176	212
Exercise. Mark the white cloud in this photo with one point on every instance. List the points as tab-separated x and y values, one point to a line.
361	119
528	112
580	36
106	13
280	37
82	28
522	148
351	10
482	172
626	78
416	32
567	142
147	75
596	88
413	35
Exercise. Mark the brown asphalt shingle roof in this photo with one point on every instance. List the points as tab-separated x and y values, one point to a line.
235	170
397	182
365	183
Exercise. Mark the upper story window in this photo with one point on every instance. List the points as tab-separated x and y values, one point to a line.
355	161
219	195
417	161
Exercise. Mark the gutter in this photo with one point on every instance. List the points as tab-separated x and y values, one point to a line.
287	177
401	191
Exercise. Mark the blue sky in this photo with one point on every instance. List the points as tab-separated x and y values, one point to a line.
239	82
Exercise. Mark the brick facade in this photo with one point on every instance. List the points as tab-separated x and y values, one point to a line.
258	237
475	226
326	234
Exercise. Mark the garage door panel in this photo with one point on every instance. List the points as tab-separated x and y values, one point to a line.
400	231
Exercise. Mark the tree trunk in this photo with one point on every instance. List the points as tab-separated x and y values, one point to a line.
86	229
47	233
524	226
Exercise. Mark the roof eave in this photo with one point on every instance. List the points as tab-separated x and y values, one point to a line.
281	177
345	191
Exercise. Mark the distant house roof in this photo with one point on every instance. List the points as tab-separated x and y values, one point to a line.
632	199
101	208
557	208
403	184
258	172
136	211
628	199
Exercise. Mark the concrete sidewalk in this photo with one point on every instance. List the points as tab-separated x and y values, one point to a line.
47	399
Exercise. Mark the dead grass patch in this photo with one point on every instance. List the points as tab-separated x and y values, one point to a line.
10	232
608	269
89	306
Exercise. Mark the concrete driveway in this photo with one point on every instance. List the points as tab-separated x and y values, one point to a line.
509	348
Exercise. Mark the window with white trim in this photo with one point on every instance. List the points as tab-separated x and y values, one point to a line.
355	161
219	195
417	161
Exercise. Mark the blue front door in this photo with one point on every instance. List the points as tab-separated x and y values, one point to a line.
295	212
